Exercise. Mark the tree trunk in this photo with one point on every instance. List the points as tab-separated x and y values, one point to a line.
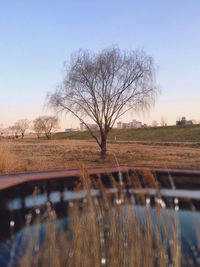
48	136
103	146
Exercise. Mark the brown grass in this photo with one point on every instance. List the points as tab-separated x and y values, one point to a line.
104	232
8	159
35	155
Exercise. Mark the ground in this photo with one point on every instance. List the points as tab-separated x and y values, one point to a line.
35	155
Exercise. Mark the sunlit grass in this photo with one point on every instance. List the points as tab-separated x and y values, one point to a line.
8	161
39	155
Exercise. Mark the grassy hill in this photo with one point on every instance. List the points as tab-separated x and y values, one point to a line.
158	134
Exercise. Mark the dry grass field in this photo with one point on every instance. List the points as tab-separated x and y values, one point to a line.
35	155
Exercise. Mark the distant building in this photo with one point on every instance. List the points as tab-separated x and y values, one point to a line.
93	127
183	121
69	130
130	125
134	124
122	125
82	127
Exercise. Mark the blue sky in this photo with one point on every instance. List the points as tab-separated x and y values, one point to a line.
36	37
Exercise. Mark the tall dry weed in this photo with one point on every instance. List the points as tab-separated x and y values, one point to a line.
8	161
105	229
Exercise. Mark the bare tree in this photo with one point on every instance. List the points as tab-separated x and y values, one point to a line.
5	132
46	125
21	126
104	86
13	130
1	130
154	124
38	126
163	121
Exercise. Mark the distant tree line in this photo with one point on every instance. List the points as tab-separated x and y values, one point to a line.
41	126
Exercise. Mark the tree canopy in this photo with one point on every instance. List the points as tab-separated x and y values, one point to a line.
103	86
46	125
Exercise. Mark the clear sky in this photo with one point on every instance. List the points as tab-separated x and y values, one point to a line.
36	37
